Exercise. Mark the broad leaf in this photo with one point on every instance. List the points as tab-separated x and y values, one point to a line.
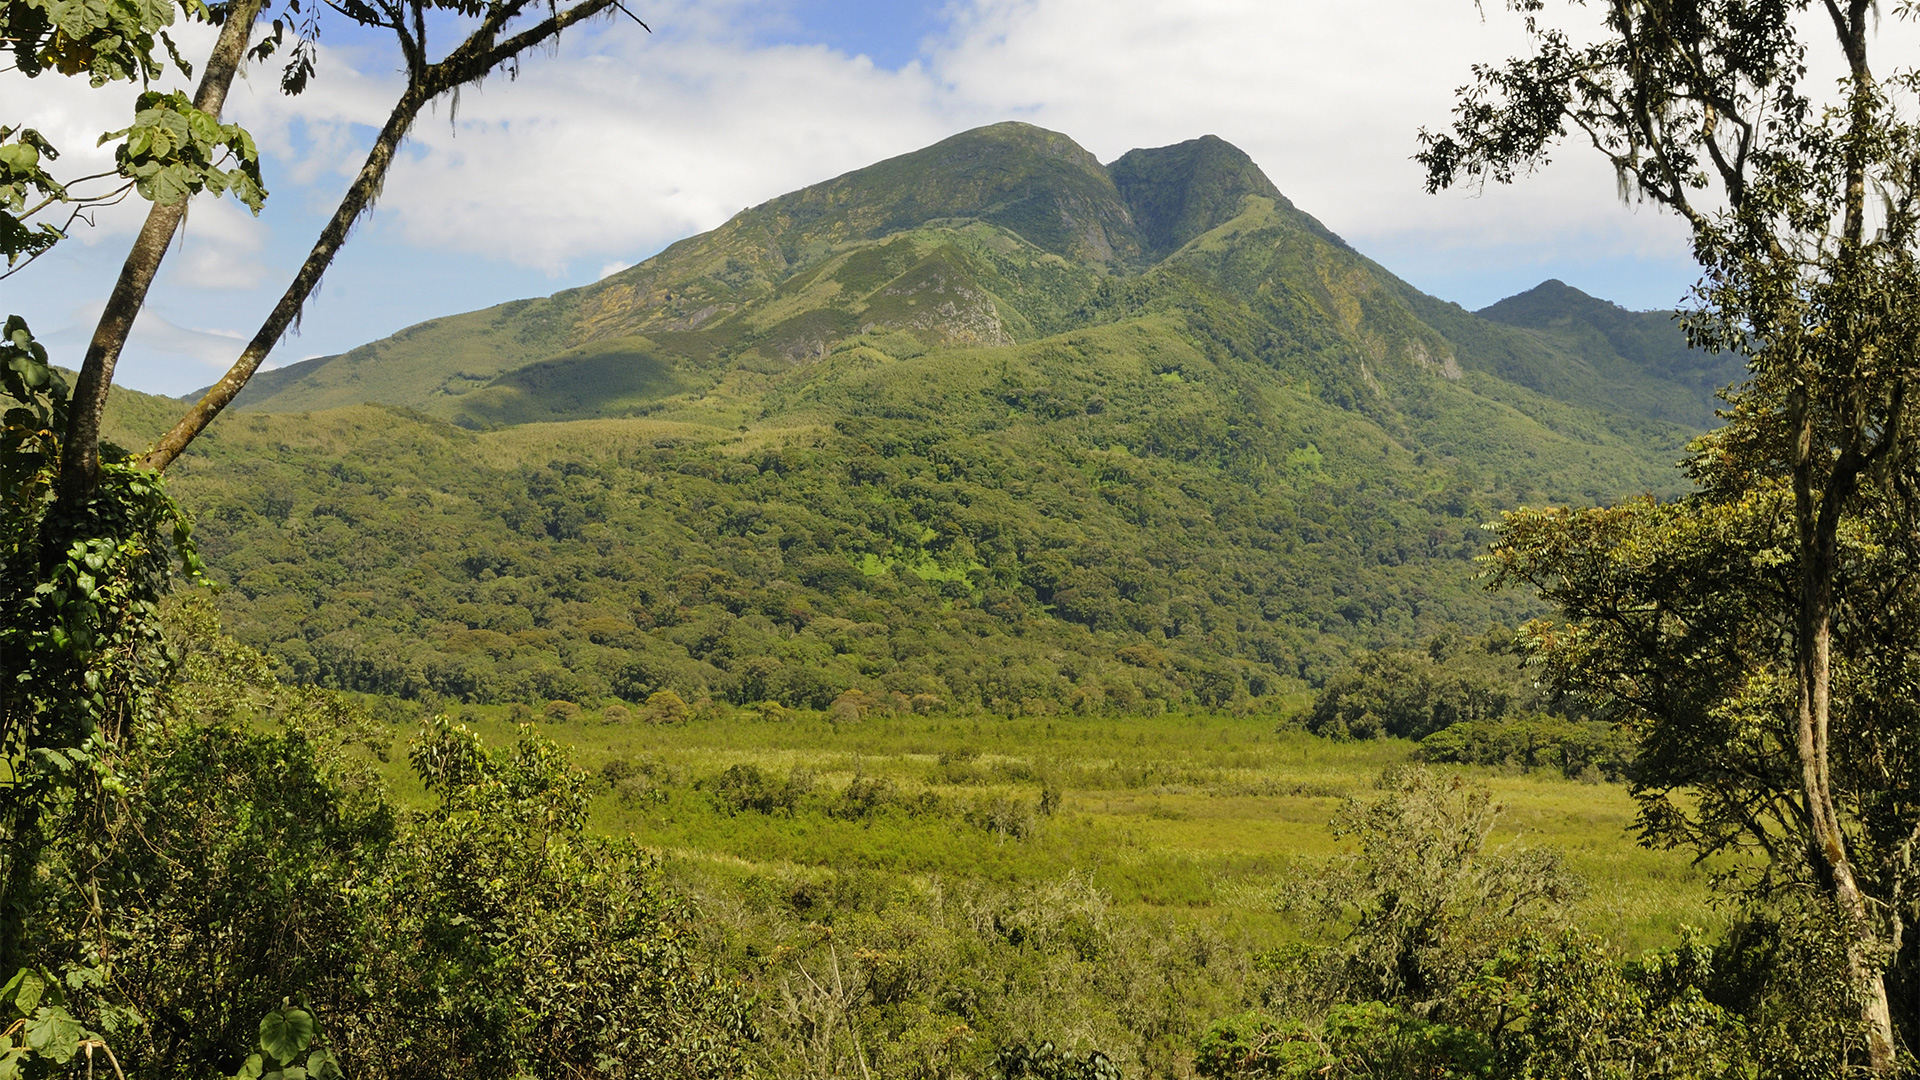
55	1034
322	1065
286	1033
24	990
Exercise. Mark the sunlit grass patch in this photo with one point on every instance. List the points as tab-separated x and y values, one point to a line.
1194	814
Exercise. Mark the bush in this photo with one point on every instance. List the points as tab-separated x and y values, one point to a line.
865	796
1577	748
744	788
248	856
666	707
637	781
1410	694
1044	1062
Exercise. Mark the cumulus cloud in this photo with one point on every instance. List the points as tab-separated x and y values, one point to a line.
621	141
1326	97
161	357
628	143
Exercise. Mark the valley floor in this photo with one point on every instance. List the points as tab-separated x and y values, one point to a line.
1197	815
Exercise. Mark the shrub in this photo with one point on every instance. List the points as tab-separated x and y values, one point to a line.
666	707
1577	748
1044	1062
249	855
851	706
745	788
865	796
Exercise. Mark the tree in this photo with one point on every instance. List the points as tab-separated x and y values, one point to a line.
482	53
1758	633
87	530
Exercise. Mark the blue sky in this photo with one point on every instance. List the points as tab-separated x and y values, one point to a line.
598	156
889	32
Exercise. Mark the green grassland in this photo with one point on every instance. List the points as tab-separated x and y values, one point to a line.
907	892
1191	813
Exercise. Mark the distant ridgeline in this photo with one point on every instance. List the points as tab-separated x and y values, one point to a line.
988	424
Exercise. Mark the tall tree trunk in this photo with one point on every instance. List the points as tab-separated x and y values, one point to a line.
475	57
1819	543
359	197
80	449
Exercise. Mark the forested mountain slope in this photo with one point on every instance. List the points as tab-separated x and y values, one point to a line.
987	424
1642	356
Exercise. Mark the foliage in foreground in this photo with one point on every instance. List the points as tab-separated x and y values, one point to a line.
240	853
1447	958
487	930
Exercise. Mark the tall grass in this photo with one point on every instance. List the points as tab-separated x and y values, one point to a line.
1187	814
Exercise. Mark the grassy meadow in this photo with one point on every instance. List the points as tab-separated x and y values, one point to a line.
1191	815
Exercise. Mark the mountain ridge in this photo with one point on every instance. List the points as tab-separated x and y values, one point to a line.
1032	228
1095	445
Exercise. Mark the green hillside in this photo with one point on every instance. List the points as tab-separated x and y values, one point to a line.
986	425
1640	356
1001	235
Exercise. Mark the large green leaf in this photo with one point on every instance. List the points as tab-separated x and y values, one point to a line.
24	990
322	1065
54	1033
286	1033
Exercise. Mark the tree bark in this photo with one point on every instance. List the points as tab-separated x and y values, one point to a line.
1818	526
80	447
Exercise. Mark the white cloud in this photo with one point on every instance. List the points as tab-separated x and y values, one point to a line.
161	356
625	144
1326	97
218	248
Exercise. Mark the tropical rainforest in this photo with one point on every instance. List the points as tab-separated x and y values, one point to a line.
989	614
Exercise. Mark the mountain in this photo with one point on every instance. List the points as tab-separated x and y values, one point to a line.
1000	235
987	423
1641	356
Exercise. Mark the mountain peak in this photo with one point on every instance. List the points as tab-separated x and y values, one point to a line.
1025	137
1034	182
1547	302
1181	191
1625	347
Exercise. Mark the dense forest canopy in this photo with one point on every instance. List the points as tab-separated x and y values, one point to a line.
988	424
